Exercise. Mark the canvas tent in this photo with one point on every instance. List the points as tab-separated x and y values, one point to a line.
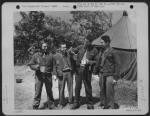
123	39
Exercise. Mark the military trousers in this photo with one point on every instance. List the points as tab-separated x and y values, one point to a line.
84	75
66	78
107	92
40	79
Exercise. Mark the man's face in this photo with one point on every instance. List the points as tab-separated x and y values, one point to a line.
63	47
44	47
102	43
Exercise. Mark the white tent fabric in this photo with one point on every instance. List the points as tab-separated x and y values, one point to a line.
122	34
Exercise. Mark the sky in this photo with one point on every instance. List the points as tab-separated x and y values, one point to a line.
65	15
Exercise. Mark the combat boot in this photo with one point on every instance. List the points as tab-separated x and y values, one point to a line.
75	105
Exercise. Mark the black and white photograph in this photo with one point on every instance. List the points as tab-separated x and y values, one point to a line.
75	60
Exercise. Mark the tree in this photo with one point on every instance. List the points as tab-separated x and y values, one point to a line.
29	30
36	27
59	30
94	23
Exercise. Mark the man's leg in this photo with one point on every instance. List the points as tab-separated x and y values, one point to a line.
70	87
60	84
48	85
38	90
110	92
87	75
102	90
62	88
78	86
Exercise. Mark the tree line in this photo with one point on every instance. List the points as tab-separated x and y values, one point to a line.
36	27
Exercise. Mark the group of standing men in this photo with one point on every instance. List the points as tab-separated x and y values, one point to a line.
82	61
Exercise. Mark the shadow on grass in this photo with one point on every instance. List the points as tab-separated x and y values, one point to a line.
83	101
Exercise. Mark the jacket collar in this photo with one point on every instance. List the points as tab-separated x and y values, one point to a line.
41	53
105	54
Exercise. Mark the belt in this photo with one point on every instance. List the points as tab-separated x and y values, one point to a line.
67	70
105	74
46	73
85	65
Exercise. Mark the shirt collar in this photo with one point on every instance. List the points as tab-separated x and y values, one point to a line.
47	53
107	49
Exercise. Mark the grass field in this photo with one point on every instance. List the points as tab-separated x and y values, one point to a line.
126	92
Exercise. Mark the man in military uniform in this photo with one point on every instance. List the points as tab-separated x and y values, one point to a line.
107	66
43	64
64	74
84	64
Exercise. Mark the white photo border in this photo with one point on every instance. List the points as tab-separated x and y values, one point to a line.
8	9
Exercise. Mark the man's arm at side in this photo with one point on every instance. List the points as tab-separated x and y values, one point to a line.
96	67
54	65
117	65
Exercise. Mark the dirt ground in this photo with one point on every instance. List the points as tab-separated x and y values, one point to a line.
126	92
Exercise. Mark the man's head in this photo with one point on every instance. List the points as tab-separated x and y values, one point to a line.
105	41
44	47
63	47
87	42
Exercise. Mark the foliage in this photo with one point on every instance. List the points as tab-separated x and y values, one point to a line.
36	27
94	23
